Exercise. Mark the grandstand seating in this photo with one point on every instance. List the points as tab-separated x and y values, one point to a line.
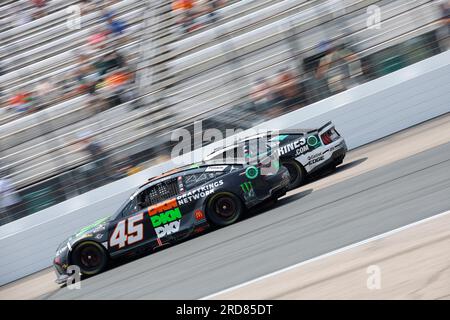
198	75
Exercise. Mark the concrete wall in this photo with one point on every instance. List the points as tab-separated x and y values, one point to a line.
362	114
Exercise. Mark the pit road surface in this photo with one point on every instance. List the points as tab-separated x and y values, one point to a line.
303	225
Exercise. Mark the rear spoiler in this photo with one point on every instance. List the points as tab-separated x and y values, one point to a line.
327	125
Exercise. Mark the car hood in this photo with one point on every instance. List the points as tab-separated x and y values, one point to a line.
91	229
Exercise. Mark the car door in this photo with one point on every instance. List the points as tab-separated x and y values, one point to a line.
132	227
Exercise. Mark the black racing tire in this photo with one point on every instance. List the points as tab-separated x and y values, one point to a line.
337	163
333	166
281	193
297	173
90	257
223	209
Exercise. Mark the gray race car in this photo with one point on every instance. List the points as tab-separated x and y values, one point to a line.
302	151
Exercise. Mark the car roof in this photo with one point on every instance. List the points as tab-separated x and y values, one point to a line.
191	167
243	140
278	132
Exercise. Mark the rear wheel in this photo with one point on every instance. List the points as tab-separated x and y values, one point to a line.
337	162
224	209
296	173
90	257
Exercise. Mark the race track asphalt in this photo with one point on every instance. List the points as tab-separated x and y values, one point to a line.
301	226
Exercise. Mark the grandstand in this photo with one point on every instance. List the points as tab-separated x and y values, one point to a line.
181	76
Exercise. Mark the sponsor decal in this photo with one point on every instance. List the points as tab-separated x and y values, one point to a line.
335	147
247	187
165	218
197	178
128	231
199	215
315	160
314	156
167	229
302	150
162	207
301	146
251	172
216	168
291	146
92	226
313	141
199	193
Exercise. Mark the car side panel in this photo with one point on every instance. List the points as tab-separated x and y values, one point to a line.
309	154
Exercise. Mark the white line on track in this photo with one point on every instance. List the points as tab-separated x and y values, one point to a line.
328	254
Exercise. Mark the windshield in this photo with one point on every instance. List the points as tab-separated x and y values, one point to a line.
128	207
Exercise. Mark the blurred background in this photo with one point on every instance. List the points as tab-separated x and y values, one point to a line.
90	91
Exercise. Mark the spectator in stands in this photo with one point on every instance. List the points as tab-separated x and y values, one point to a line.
86	6
106	4
22	101
212	7
335	67
287	91
40	8
107	13
108	62
118	79
66	85
97	40
98	157
116	27
116	31
185	10
82	74
124	167
261	96
11	205
443	33
118	86
44	94
2	110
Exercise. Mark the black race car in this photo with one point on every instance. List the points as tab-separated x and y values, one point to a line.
169	208
302	151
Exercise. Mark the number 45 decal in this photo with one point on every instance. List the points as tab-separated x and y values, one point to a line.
134	231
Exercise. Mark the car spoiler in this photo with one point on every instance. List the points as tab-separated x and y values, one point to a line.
328	124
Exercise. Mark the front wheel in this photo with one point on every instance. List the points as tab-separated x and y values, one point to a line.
90	257
296	173
223	209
